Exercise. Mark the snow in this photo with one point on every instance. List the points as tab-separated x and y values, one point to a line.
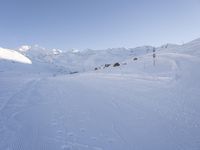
75	51
24	48
137	105
56	51
12	55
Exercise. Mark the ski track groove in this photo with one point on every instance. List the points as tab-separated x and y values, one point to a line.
15	105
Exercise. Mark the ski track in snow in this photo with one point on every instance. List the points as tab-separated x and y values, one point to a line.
13	106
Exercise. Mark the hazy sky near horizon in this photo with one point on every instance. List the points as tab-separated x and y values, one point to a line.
98	24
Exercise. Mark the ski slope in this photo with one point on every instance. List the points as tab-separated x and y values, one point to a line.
138	105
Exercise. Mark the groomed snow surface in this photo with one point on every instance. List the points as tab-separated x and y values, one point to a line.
139	105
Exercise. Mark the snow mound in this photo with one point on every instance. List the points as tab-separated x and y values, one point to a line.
12	55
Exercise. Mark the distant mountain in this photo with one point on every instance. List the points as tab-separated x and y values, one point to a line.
60	61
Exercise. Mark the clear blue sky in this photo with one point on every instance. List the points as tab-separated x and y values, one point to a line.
98	24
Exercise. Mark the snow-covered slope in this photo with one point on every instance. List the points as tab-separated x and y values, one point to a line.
12	55
80	61
192	48
133	101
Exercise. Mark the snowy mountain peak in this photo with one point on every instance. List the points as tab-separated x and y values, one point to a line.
56	51
24	48
75	50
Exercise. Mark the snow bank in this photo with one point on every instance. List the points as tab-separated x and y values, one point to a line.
12	55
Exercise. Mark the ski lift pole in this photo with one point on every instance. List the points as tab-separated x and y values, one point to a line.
154	57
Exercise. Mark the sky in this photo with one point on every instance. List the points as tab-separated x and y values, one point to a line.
98	24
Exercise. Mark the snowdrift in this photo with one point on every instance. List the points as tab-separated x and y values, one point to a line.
12	55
